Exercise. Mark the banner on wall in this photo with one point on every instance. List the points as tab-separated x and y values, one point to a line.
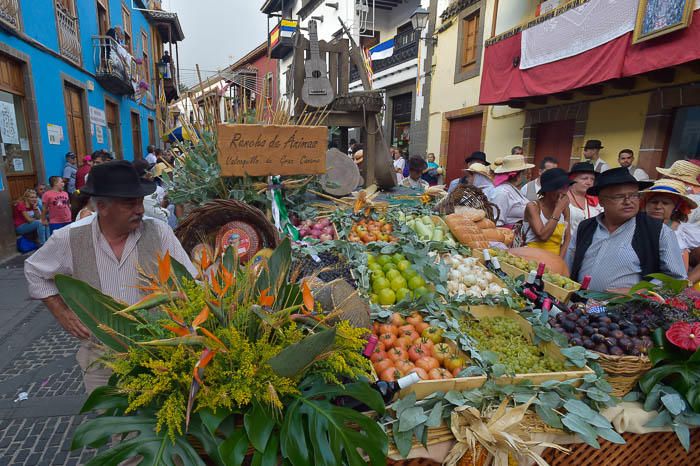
8	123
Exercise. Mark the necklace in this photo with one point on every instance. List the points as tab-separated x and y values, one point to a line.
587	211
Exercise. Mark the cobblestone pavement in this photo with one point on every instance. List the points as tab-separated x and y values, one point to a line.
36	357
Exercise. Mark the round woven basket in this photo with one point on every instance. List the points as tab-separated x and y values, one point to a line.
623	371
470	196
203	223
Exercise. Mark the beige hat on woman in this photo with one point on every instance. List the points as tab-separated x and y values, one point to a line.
671	187
481	169
684	171
513	163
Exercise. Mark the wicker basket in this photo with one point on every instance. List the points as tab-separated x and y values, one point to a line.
470	196
656	449
623	371
203	223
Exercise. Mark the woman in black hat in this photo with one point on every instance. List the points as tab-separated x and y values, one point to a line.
547	219
582	205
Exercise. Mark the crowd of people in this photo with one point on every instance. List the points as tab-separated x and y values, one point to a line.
45	209
614	224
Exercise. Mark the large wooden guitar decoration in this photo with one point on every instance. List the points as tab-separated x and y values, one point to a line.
317	90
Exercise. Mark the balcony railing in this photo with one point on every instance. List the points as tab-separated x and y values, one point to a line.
171	85
68	35
115	68
405	49
9	13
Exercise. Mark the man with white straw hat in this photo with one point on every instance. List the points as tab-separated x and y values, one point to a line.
687	171
477	175
509	177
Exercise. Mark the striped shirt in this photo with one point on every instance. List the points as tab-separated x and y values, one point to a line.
119	278
612	262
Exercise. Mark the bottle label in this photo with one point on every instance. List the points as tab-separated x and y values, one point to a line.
410	379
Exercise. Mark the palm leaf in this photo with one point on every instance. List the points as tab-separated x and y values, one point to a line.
94	308
155	448
274	274
293	359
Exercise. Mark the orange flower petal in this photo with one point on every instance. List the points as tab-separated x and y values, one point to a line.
179	331
202	317
266	300
210	335
204	360
164	267
205	262
308	297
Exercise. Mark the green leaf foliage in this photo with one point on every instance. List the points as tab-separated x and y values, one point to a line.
293	359
94	308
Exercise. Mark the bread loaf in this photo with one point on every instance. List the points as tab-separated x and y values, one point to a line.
493	234
463	229
508	236
485	224
471	213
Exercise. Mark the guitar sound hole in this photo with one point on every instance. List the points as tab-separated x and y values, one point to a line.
316	74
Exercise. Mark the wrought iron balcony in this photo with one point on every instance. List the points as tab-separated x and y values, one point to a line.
9	13
115	69
68	35
405	49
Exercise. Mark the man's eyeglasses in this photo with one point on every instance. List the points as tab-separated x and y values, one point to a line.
620	198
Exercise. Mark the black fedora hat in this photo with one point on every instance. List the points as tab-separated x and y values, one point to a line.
616	177
477	156
593	144
582	167
553	180
117	179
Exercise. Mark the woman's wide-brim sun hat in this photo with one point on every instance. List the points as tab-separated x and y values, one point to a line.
671	187
513	163
480	169
682	170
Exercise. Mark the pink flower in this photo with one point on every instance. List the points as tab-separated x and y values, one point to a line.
684	335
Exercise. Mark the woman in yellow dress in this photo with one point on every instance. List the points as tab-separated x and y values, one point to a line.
547	219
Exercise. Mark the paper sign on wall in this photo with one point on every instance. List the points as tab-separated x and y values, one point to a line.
263	150
18	165
98	117
55	133
8	123
23	144
99	135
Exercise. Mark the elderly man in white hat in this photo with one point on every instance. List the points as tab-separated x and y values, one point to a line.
510	177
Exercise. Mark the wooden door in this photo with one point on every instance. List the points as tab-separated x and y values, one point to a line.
114	129
465	138
136	135
554	139
76	121
151	132
103	16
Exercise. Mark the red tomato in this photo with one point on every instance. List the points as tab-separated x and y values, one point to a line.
378	355
388	339
404	366
382	365
456	372
427	348
403	342
416	352
421	326
388	328
434	333
391	374
414	318
375	328
427	363
412	334
397	319
407	327
396	354
421	373
439	374
427	342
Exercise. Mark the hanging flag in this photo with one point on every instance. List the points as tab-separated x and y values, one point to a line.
383	50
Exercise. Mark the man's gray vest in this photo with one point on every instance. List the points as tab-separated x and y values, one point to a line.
85	262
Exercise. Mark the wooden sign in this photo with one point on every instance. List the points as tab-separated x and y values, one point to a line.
264	150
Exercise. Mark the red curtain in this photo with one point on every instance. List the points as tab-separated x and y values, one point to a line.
503	80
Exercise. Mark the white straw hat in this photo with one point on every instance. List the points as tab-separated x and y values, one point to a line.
513	163
684	171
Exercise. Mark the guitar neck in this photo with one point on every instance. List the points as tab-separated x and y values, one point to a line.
313	40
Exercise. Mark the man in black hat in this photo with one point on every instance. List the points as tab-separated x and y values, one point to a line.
591	153
621	246
476	157
104	250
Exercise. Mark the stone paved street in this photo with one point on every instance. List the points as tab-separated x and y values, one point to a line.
36	357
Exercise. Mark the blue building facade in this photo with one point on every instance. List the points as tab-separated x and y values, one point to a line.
67	85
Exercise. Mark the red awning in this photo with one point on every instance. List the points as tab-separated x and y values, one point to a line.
503	80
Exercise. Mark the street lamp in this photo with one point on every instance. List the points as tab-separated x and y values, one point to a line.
162	67
419	21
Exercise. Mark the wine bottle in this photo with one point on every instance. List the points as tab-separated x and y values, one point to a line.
576	297
493	264
545	302
539	281
387	390
370	346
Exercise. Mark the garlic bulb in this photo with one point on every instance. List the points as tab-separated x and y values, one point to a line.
467	277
